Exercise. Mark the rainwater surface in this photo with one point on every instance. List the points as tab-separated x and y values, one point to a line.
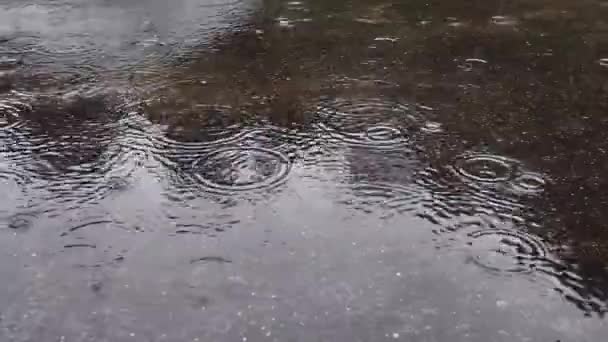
271	170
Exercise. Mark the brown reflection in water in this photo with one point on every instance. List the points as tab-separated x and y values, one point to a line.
521	79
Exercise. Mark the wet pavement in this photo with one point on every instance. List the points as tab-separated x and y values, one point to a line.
303	170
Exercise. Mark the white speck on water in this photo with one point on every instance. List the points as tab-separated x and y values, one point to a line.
244	339
34	254
502	303
476	60
387	39
398	274
395	335
132	334
239	313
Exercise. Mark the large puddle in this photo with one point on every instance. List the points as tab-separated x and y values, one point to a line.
303	170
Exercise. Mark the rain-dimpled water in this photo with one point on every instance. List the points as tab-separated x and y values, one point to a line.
273	170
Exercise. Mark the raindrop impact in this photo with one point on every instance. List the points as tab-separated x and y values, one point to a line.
236	169
505	251
528	182
369	123
485	168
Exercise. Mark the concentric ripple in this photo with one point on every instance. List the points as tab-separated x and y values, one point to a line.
485	168
505	251
186	133
199	124
370	123
234	169
528	182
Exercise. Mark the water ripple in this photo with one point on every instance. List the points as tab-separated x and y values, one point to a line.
234	169
485	168
371	123
70	147
11	107
391	198
528	183
505	251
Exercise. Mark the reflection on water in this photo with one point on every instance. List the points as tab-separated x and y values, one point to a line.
303	170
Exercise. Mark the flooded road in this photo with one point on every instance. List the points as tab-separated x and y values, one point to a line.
364	170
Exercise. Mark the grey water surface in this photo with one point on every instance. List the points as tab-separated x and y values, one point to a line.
271	170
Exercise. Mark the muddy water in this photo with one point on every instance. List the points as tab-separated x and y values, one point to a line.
303	170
